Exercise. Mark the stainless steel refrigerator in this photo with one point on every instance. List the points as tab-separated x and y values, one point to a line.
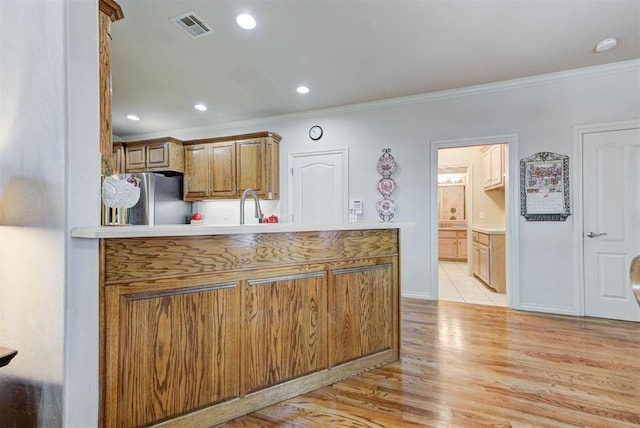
160	200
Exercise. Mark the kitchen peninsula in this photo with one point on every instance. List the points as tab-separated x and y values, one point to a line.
201	324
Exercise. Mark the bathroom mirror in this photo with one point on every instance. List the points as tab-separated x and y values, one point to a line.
451	205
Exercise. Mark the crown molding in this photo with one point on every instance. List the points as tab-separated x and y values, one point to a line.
524	82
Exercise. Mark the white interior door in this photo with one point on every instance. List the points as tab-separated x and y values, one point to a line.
611	199
318	187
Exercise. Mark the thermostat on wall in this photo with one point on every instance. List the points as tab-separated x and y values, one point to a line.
356	206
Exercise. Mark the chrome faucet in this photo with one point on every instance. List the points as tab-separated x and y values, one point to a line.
259	214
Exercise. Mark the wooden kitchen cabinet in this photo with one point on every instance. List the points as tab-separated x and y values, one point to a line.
233	164
493	166
251	166
488	259
286	310
210	171
173	349
222	170
211	327
196	158
118	159
362	312
452	245
157	155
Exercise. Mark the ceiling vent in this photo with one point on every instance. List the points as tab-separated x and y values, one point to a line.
192	24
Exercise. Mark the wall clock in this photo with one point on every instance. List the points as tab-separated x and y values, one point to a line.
315	133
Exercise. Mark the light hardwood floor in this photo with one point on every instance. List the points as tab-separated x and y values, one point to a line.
478	366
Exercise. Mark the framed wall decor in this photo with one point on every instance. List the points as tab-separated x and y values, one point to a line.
544	187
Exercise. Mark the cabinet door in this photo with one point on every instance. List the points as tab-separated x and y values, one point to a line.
475	259
284	329
118	159
361	313
273	169
483	264
251	166
196	175
222	169
462	247
136	158
157	156
447	247
496	166
486	169
169	352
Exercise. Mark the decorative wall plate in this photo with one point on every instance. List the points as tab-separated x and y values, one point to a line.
386	164
386	209
386	185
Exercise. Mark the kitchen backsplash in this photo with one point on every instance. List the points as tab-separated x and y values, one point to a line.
228	212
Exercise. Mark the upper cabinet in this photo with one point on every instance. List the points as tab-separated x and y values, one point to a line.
157	155
108	11
493	166
224	167
117	160
210	171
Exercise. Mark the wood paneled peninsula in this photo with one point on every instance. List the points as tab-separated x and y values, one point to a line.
201	324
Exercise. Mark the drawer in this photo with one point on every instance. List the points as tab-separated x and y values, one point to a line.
447	234
481	238
462	234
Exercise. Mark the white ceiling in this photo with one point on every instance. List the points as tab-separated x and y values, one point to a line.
346	51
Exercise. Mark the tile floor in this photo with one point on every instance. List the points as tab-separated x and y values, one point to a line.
455	284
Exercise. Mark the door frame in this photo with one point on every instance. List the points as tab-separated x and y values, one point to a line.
344	153
512	208
576	176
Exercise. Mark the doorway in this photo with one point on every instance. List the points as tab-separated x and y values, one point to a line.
489	223
318	186
610	222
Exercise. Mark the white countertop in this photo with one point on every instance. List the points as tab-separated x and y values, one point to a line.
495	230
197	230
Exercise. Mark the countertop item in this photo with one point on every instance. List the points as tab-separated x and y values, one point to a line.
6	355
188	230
491	230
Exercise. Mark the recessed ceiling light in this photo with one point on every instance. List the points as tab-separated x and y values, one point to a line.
606	44
200	107
302	89
132	117
246	21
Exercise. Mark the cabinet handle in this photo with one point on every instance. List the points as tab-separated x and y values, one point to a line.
361	269
188	290
285	278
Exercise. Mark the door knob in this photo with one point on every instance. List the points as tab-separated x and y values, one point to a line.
595	235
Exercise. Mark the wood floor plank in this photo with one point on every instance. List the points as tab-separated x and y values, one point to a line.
468	365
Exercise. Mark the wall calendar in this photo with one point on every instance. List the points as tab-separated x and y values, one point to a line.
544	187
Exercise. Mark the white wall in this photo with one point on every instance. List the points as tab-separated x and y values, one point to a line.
49	173
32	180
541	111
83	208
